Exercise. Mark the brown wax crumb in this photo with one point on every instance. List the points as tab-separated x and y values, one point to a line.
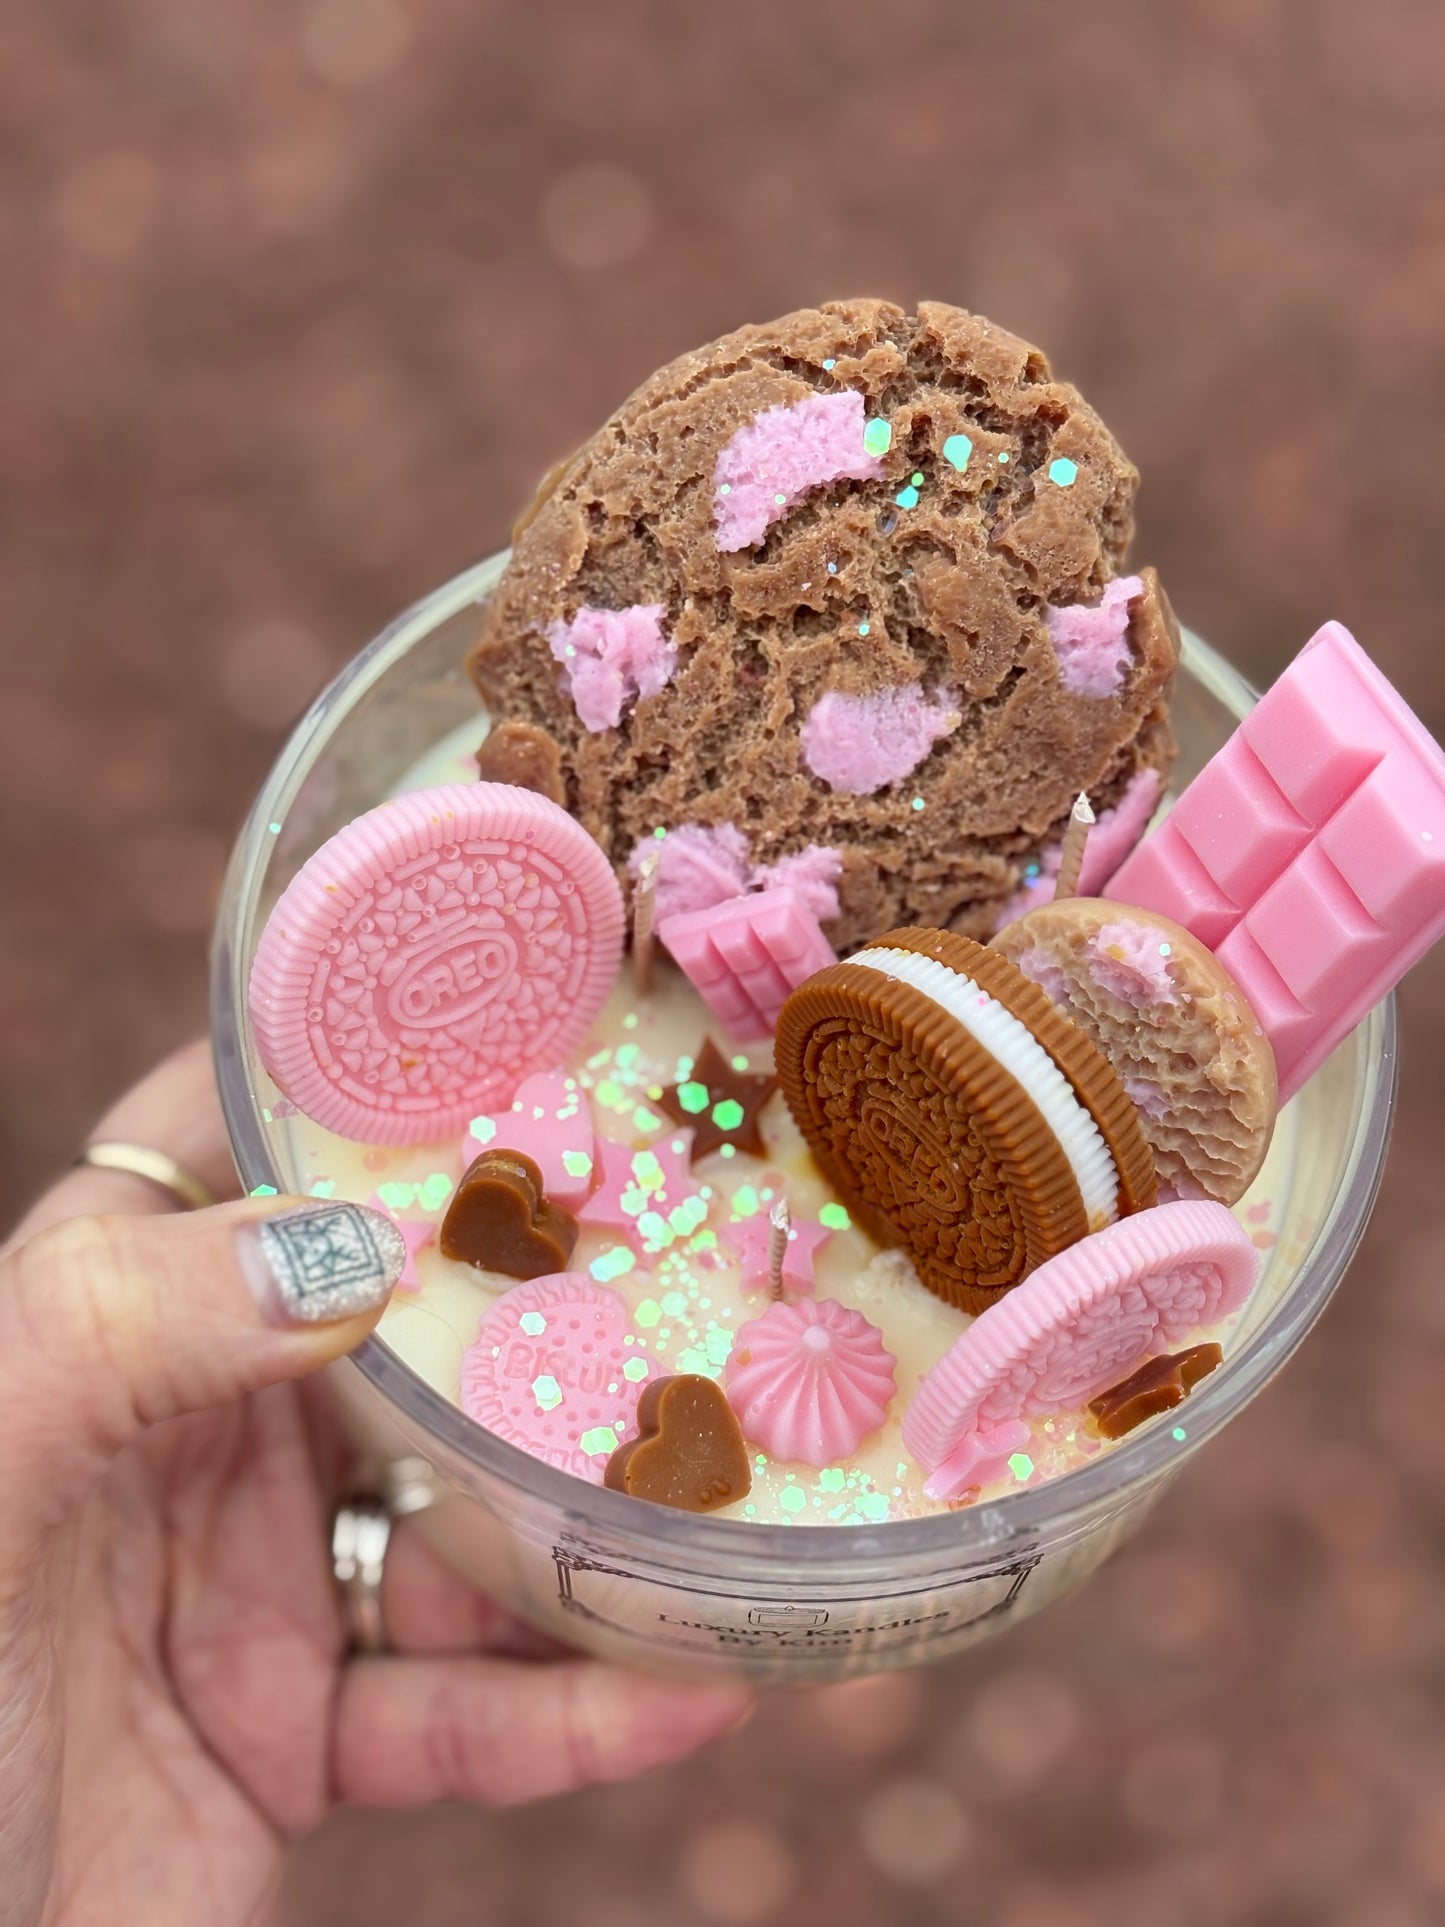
527	757
500	1219
689	1452
1157	1386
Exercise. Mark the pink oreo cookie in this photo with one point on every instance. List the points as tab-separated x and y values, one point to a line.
1072	1329
557	1371
430	956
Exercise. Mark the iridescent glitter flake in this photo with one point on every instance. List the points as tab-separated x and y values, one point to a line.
956	451
878	437
1063	473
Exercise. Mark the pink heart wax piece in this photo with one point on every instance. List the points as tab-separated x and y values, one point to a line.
1076	1326
557	1370
810	1381
1309	853
429	957
745	956
550	1122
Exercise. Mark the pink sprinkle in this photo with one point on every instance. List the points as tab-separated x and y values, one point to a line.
813	873
1092	642
1126	961
612	658
857	744
697	868
777	457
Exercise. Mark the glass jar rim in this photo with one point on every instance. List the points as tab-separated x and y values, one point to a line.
973	1532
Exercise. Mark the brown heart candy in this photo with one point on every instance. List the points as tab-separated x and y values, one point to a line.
689	1452
501	1220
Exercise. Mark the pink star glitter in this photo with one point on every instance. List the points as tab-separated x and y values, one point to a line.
648	1195
748	1240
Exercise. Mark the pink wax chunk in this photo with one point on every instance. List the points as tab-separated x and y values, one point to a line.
780	455
859	744
611	658
1309	854
744	957
550	1122
697	866
1091	644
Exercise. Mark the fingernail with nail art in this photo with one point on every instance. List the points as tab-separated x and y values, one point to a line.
320	1262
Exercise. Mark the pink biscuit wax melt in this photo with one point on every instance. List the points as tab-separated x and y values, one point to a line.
431	955
557	1371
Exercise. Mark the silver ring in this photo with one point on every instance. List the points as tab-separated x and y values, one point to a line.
360	1535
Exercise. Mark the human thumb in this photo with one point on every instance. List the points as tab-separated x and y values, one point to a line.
110	1325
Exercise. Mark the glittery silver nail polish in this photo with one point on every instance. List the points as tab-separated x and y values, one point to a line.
321	1262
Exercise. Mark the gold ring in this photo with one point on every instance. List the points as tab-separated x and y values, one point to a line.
156	1167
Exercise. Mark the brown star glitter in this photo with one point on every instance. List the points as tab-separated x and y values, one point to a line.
1157	1386
721	1105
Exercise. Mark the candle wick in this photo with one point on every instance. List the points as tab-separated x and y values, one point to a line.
1071	857
780	1230
644	905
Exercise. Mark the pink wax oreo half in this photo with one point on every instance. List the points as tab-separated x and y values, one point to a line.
433	954
1073	1328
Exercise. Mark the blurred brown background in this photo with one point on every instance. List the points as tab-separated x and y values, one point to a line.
300	298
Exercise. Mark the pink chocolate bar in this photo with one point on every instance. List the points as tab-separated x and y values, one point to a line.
1310	853
744	956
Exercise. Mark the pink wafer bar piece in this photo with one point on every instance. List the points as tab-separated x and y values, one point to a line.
550	1122
552	1370
1309	854
745	957
430	956
1073	1328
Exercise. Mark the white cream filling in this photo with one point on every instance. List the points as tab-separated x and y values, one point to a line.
1015	1047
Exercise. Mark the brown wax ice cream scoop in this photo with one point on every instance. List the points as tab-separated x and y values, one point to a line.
689	1452
501	1220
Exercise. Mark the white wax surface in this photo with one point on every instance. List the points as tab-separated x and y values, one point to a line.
687	1301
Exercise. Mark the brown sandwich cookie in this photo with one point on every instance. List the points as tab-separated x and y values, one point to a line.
1174	1025
957	1112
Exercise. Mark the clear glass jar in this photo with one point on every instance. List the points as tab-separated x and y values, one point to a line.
703	1597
